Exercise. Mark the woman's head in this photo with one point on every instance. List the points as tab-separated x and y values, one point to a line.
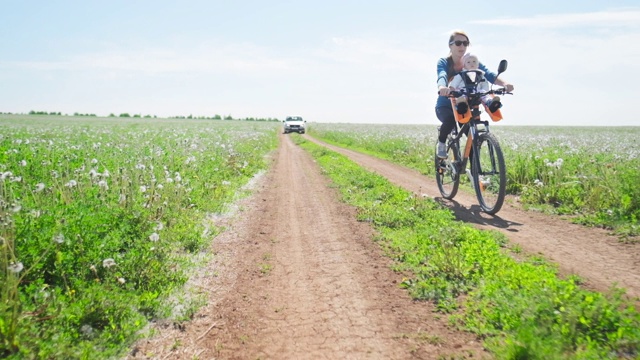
458	43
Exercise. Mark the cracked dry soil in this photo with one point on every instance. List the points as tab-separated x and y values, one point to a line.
295	276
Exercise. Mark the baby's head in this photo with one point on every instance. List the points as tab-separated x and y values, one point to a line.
470	61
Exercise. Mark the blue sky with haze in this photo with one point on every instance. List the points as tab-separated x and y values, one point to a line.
572	62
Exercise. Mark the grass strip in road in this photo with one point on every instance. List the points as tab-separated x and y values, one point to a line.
518	305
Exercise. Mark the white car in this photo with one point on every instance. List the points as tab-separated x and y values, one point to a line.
294	124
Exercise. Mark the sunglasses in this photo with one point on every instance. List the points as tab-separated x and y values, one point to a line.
459	42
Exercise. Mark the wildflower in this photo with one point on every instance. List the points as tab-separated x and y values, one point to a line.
121	280
107	263
159	226
143	188
71	183
39	187
87	330
106	173
154	237
160	186
59	238
140	167
94	161
23	163
94	173
103	184
16	208
538	183
15	267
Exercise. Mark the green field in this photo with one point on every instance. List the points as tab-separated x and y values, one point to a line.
105	219
102	220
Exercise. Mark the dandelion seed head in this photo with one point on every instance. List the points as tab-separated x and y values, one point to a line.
15	267
121	280
154	237
39	187
58	238
23	163
87	330
107	263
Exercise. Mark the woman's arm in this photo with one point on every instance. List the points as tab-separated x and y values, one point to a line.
492	77
443	79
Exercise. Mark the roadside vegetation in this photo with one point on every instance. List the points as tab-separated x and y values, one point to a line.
588	174
517	304
103	221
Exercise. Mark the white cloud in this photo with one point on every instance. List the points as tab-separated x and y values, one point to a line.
611	18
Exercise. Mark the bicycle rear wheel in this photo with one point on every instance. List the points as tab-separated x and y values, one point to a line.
489	173
447	172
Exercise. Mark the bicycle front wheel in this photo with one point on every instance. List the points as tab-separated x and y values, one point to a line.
447	172
489	173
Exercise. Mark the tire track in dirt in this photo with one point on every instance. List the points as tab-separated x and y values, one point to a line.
295	276
597	257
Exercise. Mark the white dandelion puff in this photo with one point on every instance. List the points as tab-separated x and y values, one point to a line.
154	237
107	263
103	184
59	238
15	267
121	280
143	188
39	187
71	183
23	163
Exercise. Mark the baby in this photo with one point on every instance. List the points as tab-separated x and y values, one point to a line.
471	62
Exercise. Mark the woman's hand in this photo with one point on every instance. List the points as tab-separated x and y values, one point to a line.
508	87
443	91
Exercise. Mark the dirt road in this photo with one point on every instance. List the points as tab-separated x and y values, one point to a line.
296	277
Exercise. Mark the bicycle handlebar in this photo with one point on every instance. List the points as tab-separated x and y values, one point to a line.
458	93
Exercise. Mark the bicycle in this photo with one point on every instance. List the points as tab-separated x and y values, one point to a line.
487	172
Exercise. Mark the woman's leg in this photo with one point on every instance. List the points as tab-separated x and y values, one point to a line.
445	115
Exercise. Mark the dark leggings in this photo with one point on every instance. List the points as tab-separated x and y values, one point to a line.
445	115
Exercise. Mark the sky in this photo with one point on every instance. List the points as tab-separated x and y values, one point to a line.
573	63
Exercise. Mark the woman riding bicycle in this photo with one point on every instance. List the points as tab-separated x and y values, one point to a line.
448	67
